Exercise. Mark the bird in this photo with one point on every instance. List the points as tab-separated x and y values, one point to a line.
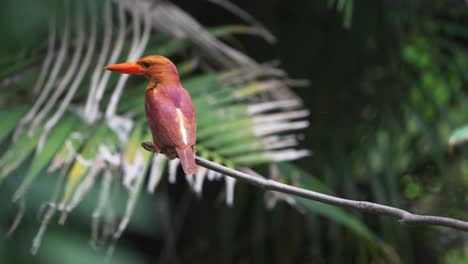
169	109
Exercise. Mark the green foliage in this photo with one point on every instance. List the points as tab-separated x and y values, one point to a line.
388	112
77	147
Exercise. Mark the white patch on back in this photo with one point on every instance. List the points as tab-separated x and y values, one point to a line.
183	131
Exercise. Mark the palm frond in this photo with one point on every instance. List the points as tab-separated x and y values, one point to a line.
87	124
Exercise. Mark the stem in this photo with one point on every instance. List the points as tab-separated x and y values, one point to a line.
404	217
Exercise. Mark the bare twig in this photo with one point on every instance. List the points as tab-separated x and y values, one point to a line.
404	217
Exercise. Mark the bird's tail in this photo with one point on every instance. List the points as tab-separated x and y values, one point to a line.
186	156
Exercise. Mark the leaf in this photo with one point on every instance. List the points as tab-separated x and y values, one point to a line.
230	94
338	215
102	135
62	249
349	221
458	136
245	147
134	141
226	120
56	140
177	45
19	65
202	83
291	173
10	118
219	115
233	137
136	161
17	153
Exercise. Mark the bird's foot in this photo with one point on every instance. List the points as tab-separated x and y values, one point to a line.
148	146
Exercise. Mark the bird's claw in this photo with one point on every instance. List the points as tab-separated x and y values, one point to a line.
148	146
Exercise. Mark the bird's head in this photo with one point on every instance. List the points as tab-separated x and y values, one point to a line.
156	68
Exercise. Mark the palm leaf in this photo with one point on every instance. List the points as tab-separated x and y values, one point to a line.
89	123
40	161
10	118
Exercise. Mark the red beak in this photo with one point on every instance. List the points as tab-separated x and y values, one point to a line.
127	68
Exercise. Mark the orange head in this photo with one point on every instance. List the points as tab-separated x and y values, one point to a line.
156	68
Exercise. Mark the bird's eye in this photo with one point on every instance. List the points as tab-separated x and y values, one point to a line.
145	64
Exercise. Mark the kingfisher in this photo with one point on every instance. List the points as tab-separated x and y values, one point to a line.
169	109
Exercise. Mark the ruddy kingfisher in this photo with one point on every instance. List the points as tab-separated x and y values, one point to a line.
169	109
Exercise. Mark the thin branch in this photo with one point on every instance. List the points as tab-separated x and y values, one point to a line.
404	217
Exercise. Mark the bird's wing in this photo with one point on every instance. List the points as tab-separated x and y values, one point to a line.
172	123
187	109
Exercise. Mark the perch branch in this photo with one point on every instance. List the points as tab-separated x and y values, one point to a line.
404	217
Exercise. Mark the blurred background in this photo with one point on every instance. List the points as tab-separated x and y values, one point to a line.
365	100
